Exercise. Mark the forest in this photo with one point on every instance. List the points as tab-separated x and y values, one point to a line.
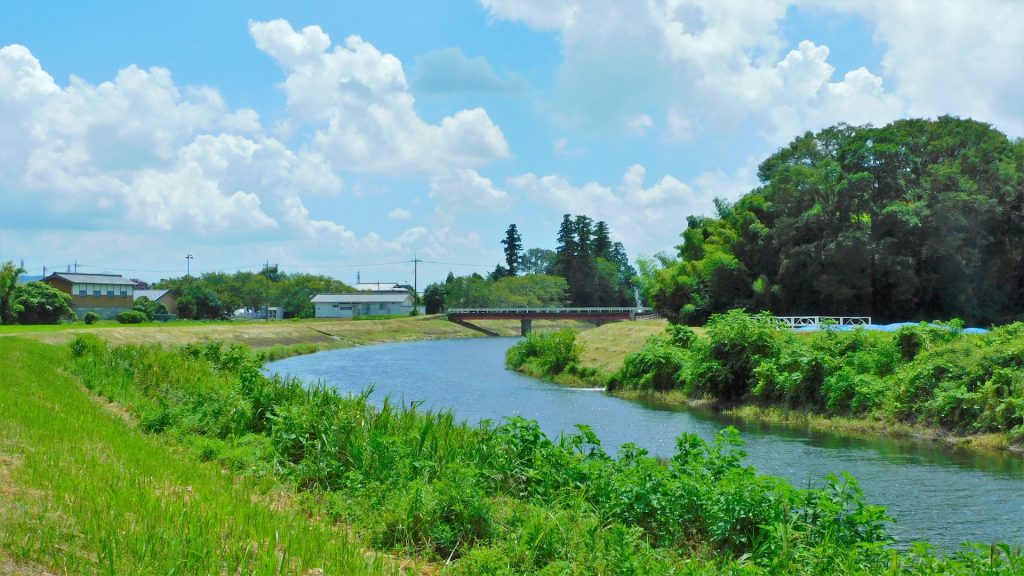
916	220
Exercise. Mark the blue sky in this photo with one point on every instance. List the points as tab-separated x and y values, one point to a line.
335	137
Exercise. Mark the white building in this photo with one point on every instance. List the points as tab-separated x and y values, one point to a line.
355	305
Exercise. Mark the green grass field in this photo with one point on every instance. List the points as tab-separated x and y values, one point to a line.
83	491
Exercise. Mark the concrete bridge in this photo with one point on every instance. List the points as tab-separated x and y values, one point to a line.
526	316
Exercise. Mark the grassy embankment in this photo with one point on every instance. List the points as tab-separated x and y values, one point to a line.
924	383
84	491
240	473
277	338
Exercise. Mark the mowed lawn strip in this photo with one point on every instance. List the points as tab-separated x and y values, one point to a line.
83	491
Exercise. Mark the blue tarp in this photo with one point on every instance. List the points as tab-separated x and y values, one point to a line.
883	327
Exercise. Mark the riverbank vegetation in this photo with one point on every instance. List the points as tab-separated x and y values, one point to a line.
931	376
915	220
84	491
500	498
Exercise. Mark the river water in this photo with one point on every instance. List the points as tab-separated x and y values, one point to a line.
935	493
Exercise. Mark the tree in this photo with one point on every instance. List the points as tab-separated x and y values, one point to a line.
538	261
916	220
434	298
41	303
9	274
148	307
513	249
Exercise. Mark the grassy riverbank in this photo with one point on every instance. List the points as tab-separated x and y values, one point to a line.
225	445
194	462
965	390
84	491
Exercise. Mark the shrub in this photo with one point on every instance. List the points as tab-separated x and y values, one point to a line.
656	366
553	352
737	342
91	317
131	317
909	340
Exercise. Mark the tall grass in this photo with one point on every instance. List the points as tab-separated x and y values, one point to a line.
85	492
503	498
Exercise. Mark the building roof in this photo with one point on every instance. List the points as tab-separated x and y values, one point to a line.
360	298
153	295
76	278
381	287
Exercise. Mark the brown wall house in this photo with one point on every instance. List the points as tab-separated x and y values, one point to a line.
105	294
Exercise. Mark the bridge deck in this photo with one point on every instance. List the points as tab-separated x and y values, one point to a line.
603	313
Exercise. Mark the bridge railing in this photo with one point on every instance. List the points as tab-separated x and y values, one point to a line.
631	310
818	321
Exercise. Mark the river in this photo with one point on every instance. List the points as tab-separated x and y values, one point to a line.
935	493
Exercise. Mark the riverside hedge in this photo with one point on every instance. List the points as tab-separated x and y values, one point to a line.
929	374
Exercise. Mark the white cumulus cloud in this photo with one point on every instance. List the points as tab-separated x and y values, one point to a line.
358	100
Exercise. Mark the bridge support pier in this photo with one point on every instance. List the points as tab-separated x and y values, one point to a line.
525	327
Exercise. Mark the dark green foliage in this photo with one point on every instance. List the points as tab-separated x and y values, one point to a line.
40	303
535	290
930	374
552	352
91	317
914	220
513	249
217	294
149	307
434	298
9	274
132	317
656	366
503	498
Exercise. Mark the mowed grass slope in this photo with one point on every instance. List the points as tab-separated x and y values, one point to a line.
82	491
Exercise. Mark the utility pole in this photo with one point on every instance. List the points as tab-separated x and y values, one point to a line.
76	265
188	264
266	270
415	281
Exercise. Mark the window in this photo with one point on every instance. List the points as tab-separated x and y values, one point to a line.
124	291
83	292
96	292
382	306
110	290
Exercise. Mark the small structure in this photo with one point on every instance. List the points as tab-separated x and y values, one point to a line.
355	305
382	287
106	295
162	296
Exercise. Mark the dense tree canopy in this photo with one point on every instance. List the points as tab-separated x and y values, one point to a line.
219	294
915	220
40	303
587	269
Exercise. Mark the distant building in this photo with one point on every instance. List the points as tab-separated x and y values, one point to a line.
355	305
382	287
162	296
104	294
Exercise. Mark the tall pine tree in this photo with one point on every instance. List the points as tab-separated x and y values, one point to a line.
513	249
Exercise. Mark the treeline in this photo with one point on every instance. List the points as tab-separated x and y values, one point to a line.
916	220
218	294
586	269
502	497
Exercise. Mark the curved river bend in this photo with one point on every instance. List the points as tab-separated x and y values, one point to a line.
934	493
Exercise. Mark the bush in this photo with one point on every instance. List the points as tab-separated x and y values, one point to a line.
737	342
131	317
553	352
656	366
91	317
